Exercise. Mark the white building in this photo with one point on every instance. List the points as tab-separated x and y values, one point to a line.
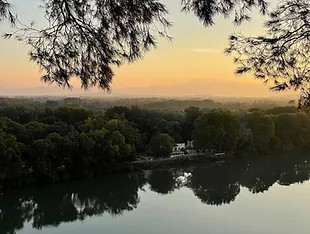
190	144
179	147
176	154
178	150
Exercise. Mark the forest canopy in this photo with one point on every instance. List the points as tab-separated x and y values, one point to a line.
50	143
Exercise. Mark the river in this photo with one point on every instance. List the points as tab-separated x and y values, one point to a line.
261	195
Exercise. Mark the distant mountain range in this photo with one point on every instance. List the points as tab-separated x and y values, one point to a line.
216	89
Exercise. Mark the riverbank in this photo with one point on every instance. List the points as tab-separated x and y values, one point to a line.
186	160
115	168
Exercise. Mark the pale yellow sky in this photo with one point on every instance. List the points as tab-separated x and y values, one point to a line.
196	53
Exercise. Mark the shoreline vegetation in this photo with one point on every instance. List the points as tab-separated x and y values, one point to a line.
185	160
55	141
144	165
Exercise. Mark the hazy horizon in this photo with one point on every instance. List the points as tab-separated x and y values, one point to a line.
193	64
191	89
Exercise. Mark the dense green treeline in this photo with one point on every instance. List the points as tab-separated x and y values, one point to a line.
46	145
252	132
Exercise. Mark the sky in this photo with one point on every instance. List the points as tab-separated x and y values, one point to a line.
192	64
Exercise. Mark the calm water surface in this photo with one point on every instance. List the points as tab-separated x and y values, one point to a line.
260	196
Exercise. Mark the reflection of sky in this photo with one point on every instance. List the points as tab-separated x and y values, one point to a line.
195	53
281	210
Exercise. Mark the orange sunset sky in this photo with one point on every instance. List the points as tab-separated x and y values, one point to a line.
192	64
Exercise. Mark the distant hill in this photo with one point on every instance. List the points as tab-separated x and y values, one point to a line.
200	88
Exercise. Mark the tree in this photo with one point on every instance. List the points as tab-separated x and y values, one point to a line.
81	150
293	131
263	130
246	140
217	129
124	137
19	114
41	162
71	115
87	38
6	11
187	126
36	130
191	114
10	157
206	10
282	55
162	145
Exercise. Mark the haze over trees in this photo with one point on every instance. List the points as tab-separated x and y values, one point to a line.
87	38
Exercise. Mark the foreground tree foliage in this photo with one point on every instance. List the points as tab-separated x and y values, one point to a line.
88	38
6	11
283	54
206	10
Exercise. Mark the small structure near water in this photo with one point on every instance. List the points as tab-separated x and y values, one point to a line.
181	149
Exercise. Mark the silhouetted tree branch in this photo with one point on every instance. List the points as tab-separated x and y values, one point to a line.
6	11
283	54
206	10
86	39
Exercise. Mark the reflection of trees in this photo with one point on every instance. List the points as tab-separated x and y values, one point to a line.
295	172
161	181
14	213
259	176
215	185
218	185
66	203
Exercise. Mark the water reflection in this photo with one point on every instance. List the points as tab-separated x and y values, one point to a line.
56	204
216	185
212	185
161	181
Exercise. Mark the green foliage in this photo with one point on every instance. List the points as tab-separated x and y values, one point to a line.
10	157
282	110
70	115
293	130
61	143
41	160
263	129
217	129
149	123
70	143
187	126
246	140
18	114
162	145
